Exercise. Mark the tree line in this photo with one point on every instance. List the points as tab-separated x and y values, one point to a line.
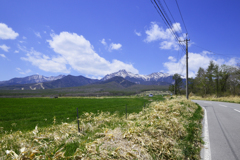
216	80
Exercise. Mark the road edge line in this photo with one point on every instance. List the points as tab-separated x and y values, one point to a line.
206	148
236	110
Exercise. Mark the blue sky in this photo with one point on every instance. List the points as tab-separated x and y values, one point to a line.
96	37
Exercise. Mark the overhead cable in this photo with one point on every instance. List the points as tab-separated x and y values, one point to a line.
166	20
171	14
181	16
226	55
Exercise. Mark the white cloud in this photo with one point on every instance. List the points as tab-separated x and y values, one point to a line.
176	27
80	55
195	61
4	47
38	34
171	58
103	42
114	46
16	51
2	55
23	72
233	61
77	52
24	37
169	45
7	32
137	33
156	33
44	62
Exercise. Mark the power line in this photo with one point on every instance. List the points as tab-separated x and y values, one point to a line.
169	10
174	31
181	16
165	19
214	52
166	14
179	58
170	13
163	14
181	65
159	13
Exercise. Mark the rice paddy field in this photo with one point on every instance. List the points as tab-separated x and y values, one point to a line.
164	129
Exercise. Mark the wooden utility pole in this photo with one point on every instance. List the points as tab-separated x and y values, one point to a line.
186	65
175	87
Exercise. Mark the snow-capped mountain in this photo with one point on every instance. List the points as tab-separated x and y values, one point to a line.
40	78
30	79
157	75
157	78
141	79
123	73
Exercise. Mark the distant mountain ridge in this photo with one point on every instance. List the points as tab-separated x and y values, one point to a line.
150	79
69	81
30	79
122	78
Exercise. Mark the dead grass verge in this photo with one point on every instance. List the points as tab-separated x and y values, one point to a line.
232	99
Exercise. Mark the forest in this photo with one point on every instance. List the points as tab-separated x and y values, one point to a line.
216	80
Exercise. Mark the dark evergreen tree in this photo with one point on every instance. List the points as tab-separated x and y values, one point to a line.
201	82
209	77
178	83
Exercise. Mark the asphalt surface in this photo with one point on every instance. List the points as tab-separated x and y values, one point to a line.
223	121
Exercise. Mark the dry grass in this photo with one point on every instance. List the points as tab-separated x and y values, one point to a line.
146	93
100	97
157	132
233	99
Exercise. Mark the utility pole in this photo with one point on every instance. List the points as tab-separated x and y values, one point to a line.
217	86
175	86
186	65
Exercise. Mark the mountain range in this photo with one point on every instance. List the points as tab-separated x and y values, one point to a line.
119	80
30	79
156	78
122	77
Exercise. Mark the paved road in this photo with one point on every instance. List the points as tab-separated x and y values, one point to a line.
223	120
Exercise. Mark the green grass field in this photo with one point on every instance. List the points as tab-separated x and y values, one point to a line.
25	113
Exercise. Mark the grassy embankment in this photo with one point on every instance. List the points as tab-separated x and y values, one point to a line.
164	130
231	99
